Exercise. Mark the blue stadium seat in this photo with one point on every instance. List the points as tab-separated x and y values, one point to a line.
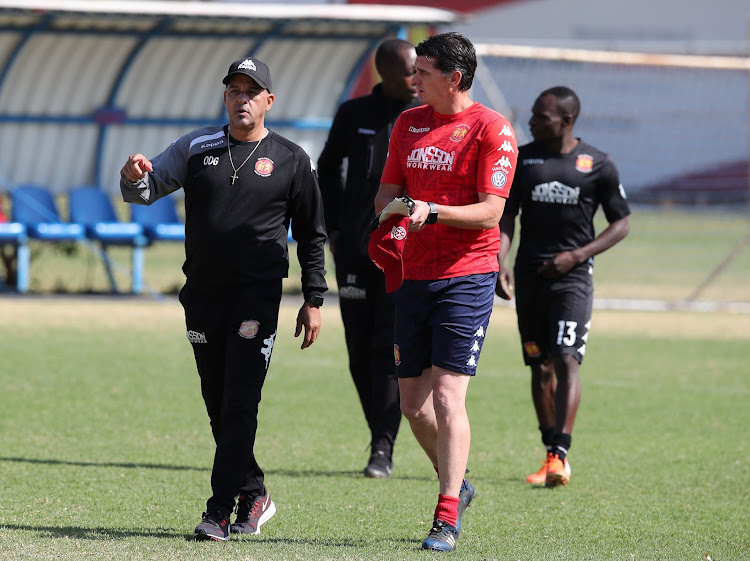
159	220
34	207
92	208
14	233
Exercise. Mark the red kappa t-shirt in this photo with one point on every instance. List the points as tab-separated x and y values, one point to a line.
449	159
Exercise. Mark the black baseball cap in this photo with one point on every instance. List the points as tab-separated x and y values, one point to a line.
252	67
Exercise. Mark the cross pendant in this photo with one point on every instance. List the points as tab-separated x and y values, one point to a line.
234	177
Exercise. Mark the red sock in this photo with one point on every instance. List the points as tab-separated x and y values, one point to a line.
447	509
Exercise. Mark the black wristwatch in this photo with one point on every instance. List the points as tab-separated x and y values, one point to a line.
432	217
315	300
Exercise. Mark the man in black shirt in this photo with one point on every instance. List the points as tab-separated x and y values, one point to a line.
243	184
559	184
359	134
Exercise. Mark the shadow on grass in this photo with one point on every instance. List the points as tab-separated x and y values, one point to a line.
128	465
133	465
96	534
342	473
78	532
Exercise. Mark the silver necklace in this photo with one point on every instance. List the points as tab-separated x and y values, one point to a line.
229	150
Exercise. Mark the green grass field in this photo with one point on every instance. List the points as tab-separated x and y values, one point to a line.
105	448
667	255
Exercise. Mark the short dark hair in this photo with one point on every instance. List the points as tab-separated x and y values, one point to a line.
388	52
567	100
450	52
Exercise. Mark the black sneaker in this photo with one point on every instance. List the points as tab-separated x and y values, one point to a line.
213	527
442	537
465	496
252	513
380	465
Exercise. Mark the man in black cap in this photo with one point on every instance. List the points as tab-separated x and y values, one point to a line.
359	135
243	184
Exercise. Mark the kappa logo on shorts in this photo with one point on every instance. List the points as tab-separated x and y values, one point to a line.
249	329
268	347
196	336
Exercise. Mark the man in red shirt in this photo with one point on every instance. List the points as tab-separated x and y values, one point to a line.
456	159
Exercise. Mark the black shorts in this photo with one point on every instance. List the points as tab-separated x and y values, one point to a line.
554	316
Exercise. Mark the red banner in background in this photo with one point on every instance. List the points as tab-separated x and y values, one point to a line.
463	6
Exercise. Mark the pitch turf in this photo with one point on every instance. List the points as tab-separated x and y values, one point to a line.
105	449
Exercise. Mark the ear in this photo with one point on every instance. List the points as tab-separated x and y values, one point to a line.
269	101
456	78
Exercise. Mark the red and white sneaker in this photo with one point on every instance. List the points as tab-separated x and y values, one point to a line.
252	513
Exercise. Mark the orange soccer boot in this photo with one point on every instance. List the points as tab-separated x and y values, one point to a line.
558	471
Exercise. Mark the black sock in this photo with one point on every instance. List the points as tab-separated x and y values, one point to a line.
561	444
548	434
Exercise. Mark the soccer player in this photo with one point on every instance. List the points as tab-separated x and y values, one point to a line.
560	182
359	134
243	184
456	159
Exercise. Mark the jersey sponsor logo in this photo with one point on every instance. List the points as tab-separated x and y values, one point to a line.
533	162
507	131
432	158
249	329
208	140
247	63
211	161
196	336
555	192
531	349
415	129
506	147
459	133
398	233
352	293
264	167
499	179
503	162
584	163
211	144
369	132
396	355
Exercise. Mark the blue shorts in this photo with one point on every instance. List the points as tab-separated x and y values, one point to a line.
442	323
